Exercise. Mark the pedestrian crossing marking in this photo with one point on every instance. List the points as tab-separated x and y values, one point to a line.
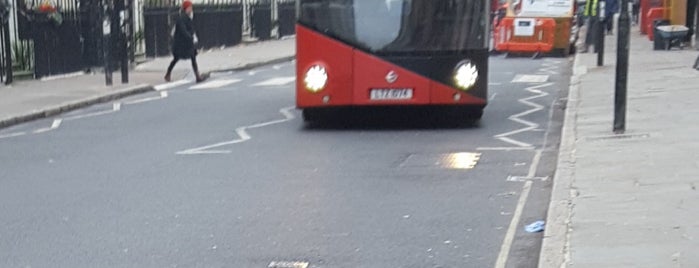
215	84
526	78
279	81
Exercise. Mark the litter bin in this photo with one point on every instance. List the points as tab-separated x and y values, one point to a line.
658	40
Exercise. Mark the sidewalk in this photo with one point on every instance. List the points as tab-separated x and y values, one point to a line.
628	200
28	100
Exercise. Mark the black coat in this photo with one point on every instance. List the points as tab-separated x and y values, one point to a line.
183	41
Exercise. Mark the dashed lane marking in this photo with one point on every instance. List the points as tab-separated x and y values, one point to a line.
279	81
242	133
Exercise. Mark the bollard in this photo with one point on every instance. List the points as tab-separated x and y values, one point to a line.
600	38
622	70
106	42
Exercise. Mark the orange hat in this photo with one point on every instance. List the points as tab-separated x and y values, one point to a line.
186	4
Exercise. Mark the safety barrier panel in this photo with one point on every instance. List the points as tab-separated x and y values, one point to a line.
652	15
525	35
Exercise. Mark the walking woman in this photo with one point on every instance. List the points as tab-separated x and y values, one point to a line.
184	40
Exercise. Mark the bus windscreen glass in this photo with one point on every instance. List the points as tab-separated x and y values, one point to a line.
390	26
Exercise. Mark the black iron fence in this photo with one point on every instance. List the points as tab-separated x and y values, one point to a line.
218	22
287	18
55	34
67	37
218	26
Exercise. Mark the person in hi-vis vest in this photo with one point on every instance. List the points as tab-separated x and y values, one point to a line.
589	12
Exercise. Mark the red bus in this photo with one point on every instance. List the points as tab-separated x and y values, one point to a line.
427	54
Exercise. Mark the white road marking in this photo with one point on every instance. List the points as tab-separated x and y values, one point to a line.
526	189
171	85
288	264
492	97
277	67
550	66
115	108
215	84
526	78
505	137
535	163
279	81
505	148
56	123
163	94
242	133
525	179
10	135
512	230
494	84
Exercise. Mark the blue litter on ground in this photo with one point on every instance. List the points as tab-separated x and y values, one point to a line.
535	227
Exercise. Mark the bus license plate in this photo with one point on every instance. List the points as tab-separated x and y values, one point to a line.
391	94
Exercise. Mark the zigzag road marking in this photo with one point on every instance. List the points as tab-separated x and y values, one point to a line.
550	67
242	133
506	137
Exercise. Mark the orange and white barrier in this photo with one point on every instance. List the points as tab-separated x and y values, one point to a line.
525	35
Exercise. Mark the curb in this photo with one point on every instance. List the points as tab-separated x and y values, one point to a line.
250	65
74	105
130	91
555	248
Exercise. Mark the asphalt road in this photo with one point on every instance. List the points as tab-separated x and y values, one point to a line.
228	175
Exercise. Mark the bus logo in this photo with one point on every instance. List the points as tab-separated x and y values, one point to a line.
391	77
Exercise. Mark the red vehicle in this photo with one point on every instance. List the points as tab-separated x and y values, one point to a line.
427	54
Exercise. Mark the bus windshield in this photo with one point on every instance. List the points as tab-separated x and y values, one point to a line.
400	25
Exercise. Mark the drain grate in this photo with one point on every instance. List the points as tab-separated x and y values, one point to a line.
461	160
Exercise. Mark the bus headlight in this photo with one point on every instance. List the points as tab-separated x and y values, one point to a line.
316	78
466	75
